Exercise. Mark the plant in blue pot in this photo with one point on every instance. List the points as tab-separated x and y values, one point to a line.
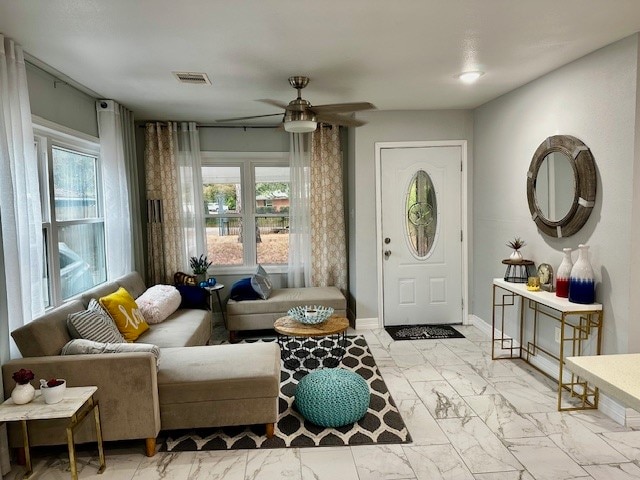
200	265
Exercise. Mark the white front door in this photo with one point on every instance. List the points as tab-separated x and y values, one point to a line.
421	235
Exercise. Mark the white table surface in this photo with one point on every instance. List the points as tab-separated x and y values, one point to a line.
74	398
617	375
546	298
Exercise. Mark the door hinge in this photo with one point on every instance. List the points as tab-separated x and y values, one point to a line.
462	303
460	165
460	235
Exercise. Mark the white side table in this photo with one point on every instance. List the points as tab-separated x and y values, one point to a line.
76	404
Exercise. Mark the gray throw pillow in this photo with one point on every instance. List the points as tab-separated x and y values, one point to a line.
82	347
261	284
94	325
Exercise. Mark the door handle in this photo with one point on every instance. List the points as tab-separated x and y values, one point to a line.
387	254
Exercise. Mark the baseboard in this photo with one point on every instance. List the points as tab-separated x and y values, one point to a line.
480	324
607	405
632	419
367	323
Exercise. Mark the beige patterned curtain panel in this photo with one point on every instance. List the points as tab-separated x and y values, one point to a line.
328	242
165	237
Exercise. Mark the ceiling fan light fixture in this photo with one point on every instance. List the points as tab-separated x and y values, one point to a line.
470	77
300	126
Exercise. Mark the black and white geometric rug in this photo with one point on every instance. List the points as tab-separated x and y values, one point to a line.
381	424
422	332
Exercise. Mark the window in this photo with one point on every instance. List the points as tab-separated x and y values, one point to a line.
246	199
73	224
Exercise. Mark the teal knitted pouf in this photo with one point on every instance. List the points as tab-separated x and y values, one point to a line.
332	397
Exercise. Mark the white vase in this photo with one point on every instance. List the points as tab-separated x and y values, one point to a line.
582	283
563	274
22	394
515	255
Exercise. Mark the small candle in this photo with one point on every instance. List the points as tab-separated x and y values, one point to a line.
310	313
534	282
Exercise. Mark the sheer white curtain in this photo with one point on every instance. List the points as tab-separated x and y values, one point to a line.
20	209
190	189
117	212
299	274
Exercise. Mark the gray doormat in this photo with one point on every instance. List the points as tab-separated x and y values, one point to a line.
382	424
422	332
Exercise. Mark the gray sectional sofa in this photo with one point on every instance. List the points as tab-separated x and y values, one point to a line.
193	385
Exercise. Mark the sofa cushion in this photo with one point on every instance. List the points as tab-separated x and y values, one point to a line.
183	328
95	325
282	299
97	292
193	297
158	302
242	290
125	312
80	346
46	335
219	372
261	283
132	283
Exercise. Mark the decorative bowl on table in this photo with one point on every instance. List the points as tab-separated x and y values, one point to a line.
310	315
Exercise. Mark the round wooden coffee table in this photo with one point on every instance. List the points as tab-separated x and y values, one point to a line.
307	347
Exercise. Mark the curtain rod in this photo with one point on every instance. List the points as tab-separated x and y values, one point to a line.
56	75
206	125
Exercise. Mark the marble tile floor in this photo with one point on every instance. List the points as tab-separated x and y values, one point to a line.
471	418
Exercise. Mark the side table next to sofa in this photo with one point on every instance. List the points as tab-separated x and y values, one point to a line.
77	403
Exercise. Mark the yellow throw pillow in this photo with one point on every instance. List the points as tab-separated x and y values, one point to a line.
124	310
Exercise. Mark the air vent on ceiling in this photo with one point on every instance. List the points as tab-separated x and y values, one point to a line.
193	77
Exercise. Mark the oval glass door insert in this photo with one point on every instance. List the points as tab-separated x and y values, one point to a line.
422	214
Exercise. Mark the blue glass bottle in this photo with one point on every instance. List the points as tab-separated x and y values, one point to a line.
582	284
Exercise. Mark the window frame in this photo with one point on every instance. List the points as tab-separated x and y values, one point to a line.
247	161
48	135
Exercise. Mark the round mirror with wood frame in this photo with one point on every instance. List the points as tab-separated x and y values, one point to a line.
582	187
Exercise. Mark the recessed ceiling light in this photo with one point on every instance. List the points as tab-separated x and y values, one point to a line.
470	77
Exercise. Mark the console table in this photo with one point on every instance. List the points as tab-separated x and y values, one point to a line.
580	327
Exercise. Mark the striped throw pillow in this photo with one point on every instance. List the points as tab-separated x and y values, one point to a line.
94	325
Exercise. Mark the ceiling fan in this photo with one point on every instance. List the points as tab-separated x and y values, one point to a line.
301	117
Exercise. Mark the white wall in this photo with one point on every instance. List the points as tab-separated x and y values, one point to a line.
241	140
593	99
386	126
61	103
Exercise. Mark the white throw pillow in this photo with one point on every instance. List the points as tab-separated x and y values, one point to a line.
261	283
158	302
83	347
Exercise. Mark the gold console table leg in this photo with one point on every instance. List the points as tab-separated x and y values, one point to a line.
27	449
96	414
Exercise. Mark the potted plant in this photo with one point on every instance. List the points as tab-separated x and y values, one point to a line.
53	390
516	244
200	265
23	391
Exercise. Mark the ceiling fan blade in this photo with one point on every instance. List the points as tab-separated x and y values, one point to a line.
284	106
343	107
247	118
339	120
275	103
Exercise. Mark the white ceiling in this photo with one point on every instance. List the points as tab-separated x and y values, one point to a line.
398	55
